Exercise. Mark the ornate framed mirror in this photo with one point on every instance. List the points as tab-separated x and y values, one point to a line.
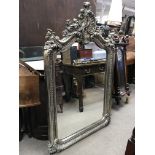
82	30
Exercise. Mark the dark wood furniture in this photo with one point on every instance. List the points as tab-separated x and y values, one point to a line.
33	119
80	71
127	28
39	115
130	149
28	97
121	87
39	119
130	60
28	87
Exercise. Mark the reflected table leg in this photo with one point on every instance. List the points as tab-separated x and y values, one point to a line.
80	88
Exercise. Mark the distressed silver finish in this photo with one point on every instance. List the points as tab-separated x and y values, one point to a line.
82	30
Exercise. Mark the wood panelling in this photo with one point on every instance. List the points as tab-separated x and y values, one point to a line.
35	16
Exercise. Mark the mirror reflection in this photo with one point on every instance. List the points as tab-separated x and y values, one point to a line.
80	87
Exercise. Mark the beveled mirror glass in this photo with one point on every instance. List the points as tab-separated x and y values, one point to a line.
82	30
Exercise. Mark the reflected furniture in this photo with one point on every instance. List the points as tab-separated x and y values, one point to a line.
80	71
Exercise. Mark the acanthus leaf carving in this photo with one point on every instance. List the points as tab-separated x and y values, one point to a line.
52	42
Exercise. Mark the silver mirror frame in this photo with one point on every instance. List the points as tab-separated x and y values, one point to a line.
82	30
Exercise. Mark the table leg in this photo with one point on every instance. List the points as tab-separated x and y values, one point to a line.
67	79
20	124
80	92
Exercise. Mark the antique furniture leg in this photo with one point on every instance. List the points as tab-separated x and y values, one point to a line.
80	93
126	77
116	93
59	98
61	108
131	73
29	124
130	149
20	124
27	121
67	79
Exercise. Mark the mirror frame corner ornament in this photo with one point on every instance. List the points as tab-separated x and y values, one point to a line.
82	30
